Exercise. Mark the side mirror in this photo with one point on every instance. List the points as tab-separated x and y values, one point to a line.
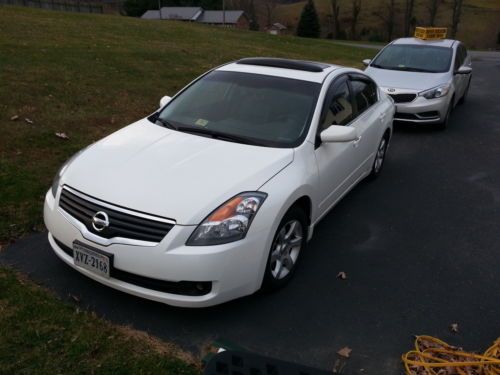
464	70
337	133
367	62
164	101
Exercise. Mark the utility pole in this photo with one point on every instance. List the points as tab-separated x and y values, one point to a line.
159	8
224	13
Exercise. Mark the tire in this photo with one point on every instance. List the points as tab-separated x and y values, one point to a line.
444	124
286	250
380	154
463	99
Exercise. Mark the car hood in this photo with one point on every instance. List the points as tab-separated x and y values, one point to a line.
414	81
176	175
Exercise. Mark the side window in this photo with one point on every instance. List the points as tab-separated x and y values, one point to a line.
464	53
459	58
365	95
339	107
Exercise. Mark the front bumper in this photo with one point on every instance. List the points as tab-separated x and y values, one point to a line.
233	270
422	110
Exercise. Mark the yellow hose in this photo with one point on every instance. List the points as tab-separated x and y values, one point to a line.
435	357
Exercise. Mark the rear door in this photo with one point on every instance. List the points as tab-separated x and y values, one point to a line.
369	120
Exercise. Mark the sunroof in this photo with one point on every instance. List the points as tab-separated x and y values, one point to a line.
307	66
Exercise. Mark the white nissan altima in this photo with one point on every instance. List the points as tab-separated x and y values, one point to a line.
215	195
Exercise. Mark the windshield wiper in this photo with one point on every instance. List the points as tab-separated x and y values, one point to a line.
410	69
219	135
167	124
379	66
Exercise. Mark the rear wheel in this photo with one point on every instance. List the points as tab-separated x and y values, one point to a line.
284	255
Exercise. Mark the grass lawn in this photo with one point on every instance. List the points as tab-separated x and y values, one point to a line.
87	76
41	335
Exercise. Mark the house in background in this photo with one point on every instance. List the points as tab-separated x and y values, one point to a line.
174	13
276	29
229	18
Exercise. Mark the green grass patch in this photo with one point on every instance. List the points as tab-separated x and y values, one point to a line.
88	75
40	334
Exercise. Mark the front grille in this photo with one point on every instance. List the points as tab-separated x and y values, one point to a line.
186	288
121	224
403	98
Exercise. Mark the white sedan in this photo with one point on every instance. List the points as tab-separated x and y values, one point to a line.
215	195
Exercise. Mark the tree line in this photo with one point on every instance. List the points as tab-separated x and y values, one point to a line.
309	24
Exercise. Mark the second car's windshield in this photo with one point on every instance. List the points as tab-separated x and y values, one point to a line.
418	58
267	110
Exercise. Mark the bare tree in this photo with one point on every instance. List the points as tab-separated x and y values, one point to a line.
432	7
270	6
356	9
388	16
336	17
455	20
409	6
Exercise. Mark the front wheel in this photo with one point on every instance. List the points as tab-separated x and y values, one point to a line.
444	124
288	242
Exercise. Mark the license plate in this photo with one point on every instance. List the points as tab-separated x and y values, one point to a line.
91	259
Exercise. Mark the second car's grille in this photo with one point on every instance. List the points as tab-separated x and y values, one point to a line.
119	224
403	98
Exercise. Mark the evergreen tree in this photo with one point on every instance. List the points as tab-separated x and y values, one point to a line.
309	26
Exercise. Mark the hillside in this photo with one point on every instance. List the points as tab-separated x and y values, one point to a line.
88	75
479	27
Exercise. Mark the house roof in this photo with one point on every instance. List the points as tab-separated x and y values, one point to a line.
278	26
151	15
216	16
174	13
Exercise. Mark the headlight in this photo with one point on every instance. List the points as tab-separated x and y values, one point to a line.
435	92
230	222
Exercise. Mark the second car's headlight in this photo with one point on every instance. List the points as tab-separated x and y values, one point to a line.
230	222
435	92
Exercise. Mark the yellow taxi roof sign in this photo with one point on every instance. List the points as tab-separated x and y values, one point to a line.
430	33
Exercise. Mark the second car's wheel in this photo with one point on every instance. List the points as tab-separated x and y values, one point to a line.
444	124
463	99
284	255
378	163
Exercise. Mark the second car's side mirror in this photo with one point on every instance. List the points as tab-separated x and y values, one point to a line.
164	101
337	133
367	62
464	70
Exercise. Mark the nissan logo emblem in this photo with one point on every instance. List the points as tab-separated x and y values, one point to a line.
100	221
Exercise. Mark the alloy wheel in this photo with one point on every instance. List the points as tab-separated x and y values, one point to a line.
286	249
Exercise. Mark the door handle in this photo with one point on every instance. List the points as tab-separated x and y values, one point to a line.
382	117
356	141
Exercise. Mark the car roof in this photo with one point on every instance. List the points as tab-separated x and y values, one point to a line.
435	42
295	69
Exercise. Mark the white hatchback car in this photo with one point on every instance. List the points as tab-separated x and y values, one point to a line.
215	194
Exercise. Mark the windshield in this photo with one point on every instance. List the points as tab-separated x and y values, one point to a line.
416	58
268	111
